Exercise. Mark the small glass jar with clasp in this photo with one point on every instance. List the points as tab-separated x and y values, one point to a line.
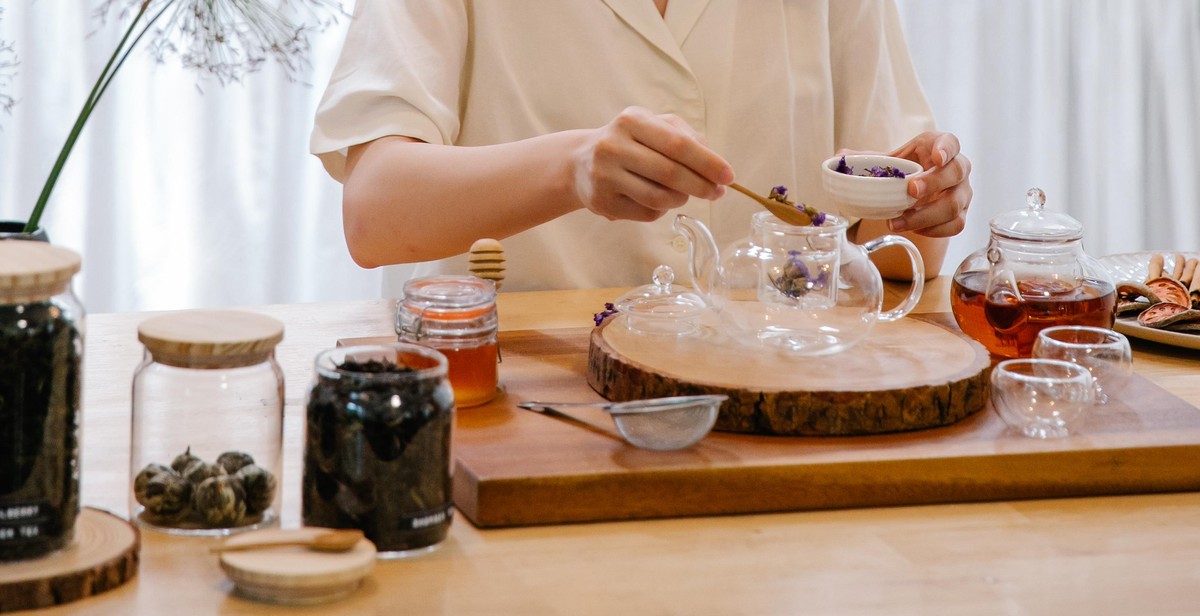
457	316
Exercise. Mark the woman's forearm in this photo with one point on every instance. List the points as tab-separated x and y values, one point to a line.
406	201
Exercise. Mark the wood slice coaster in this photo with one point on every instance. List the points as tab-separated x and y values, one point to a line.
906	375
103	556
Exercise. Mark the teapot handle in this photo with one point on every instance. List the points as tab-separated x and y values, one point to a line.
918	274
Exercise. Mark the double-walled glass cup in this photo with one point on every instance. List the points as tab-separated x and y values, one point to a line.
1042	398
1104	352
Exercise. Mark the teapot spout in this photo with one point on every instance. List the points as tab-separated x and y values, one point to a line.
702	252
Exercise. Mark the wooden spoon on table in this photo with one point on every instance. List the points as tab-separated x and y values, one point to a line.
787	212
340	540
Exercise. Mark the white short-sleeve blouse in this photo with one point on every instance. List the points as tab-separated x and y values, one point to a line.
776	86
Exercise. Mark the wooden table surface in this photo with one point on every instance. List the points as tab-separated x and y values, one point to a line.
1109	555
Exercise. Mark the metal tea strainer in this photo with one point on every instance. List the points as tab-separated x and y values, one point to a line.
656	423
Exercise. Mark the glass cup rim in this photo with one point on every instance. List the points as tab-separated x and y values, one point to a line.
1103	335
1072	371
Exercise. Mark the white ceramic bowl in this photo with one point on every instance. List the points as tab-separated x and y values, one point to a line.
866	196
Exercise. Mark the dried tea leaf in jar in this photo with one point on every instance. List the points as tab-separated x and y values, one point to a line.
150	472
166	495
199	470
183	460
220	500
377	447
259	485
233	461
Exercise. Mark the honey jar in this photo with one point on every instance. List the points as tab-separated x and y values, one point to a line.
455	315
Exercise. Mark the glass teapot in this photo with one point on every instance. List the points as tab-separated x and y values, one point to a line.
803	289
1032	274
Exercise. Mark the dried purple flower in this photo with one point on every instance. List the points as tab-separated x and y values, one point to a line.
609	310
874	172
884	172
779	193
795	279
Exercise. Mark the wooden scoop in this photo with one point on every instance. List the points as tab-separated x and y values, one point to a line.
339	540
790	214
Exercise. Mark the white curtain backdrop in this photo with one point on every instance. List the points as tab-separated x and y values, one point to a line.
183	193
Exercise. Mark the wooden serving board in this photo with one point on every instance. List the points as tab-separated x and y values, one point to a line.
516	467
906	375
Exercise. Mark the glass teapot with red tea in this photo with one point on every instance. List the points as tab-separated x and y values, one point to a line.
1032	274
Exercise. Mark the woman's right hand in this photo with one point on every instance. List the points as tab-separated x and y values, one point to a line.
641	165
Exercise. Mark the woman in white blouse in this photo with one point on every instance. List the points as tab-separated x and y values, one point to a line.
569	129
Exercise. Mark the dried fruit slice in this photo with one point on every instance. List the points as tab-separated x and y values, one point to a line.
1169	290
1164	314
1130	308
1130	290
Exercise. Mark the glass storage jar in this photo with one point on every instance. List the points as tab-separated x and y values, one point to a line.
206	449
41	353
457	316
377	446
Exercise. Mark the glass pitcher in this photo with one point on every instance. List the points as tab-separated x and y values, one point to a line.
806	290
1032	274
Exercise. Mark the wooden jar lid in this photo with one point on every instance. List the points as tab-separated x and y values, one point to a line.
210	338
32	271
295	575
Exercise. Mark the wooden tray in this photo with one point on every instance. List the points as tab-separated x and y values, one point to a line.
515	467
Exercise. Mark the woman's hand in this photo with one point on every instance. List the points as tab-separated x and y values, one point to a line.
640	165
943	192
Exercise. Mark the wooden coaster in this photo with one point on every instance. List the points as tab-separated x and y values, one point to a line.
103	556
295	575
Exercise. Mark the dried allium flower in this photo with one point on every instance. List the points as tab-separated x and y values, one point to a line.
8	62
228	39
843	167
222	38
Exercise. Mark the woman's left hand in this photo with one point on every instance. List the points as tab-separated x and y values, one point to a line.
943	191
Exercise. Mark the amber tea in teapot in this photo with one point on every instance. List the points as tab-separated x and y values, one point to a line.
1033	274
1008	325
